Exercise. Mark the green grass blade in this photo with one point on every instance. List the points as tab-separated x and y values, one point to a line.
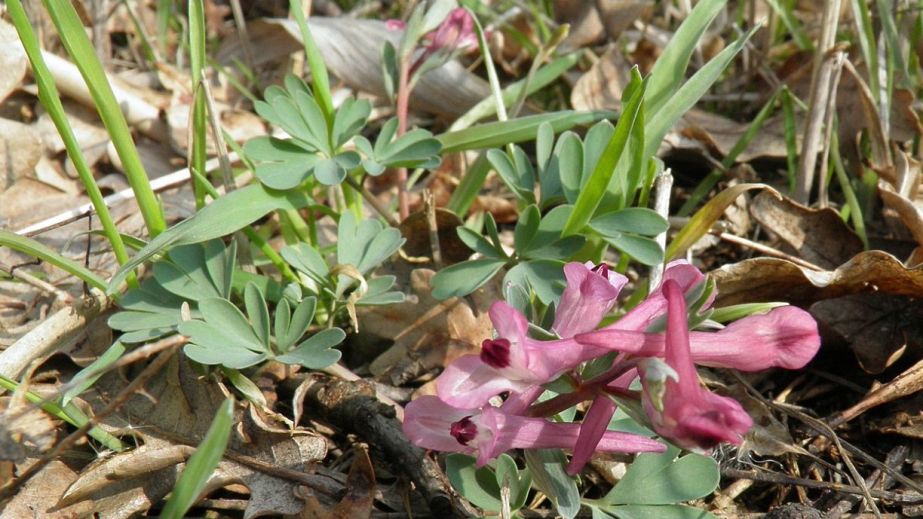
197	67
42	252
81	50
689	94
855	208
669	71
591	193
790	21
865	32
70	414
320	81
51	101
201	464
790	126
500	133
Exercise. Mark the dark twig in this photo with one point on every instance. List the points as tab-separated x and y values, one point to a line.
765	476
352	407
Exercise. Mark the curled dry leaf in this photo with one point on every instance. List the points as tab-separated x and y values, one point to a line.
427	333
902	196
770	279
817	235
360	493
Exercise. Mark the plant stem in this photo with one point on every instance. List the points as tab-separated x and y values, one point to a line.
402	109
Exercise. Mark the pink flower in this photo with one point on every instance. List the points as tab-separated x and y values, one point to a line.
515	362
678	406
455	32
486	433
590	295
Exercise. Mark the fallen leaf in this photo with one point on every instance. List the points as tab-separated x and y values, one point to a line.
720	134
586	27
879	328
171	417
12	60
415	230
351	50
20	151
359	498
771	279
427	333
600	88
38	497
819	236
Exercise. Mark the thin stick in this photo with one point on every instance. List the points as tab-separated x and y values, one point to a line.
765	476
663	185
373	201
765	249
837	59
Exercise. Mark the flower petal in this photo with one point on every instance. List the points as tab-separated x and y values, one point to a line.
469	383
428	421
592	429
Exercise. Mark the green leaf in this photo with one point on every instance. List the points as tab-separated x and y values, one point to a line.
501	133
545	277
416	148
247	387
350	117
281	164
300	320
637	220
478	485
566	166
329	172
255	303
591	194
669	70
653	512
316	352
378	292
661	479
526	227
201	464
478	243
644	250
519	482
517	176
307	260
366	245
226	215
548	475
464	278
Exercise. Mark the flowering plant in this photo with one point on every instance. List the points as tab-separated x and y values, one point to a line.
489	403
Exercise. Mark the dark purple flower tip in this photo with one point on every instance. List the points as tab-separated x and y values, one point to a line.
603	270
463	430
496	353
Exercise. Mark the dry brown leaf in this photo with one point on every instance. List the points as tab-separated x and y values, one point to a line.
30	200
175	413
40	494
879	328
600	88
351	51
359	498
427	333
902	196
20	151
415	230
817	235
586	27
771	279
720	134
24	429
618	15
12	60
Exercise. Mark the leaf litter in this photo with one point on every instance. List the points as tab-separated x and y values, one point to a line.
867	298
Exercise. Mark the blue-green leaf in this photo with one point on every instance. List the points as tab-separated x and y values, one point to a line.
464	278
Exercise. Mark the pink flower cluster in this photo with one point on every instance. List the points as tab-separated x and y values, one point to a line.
455	33
464	418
